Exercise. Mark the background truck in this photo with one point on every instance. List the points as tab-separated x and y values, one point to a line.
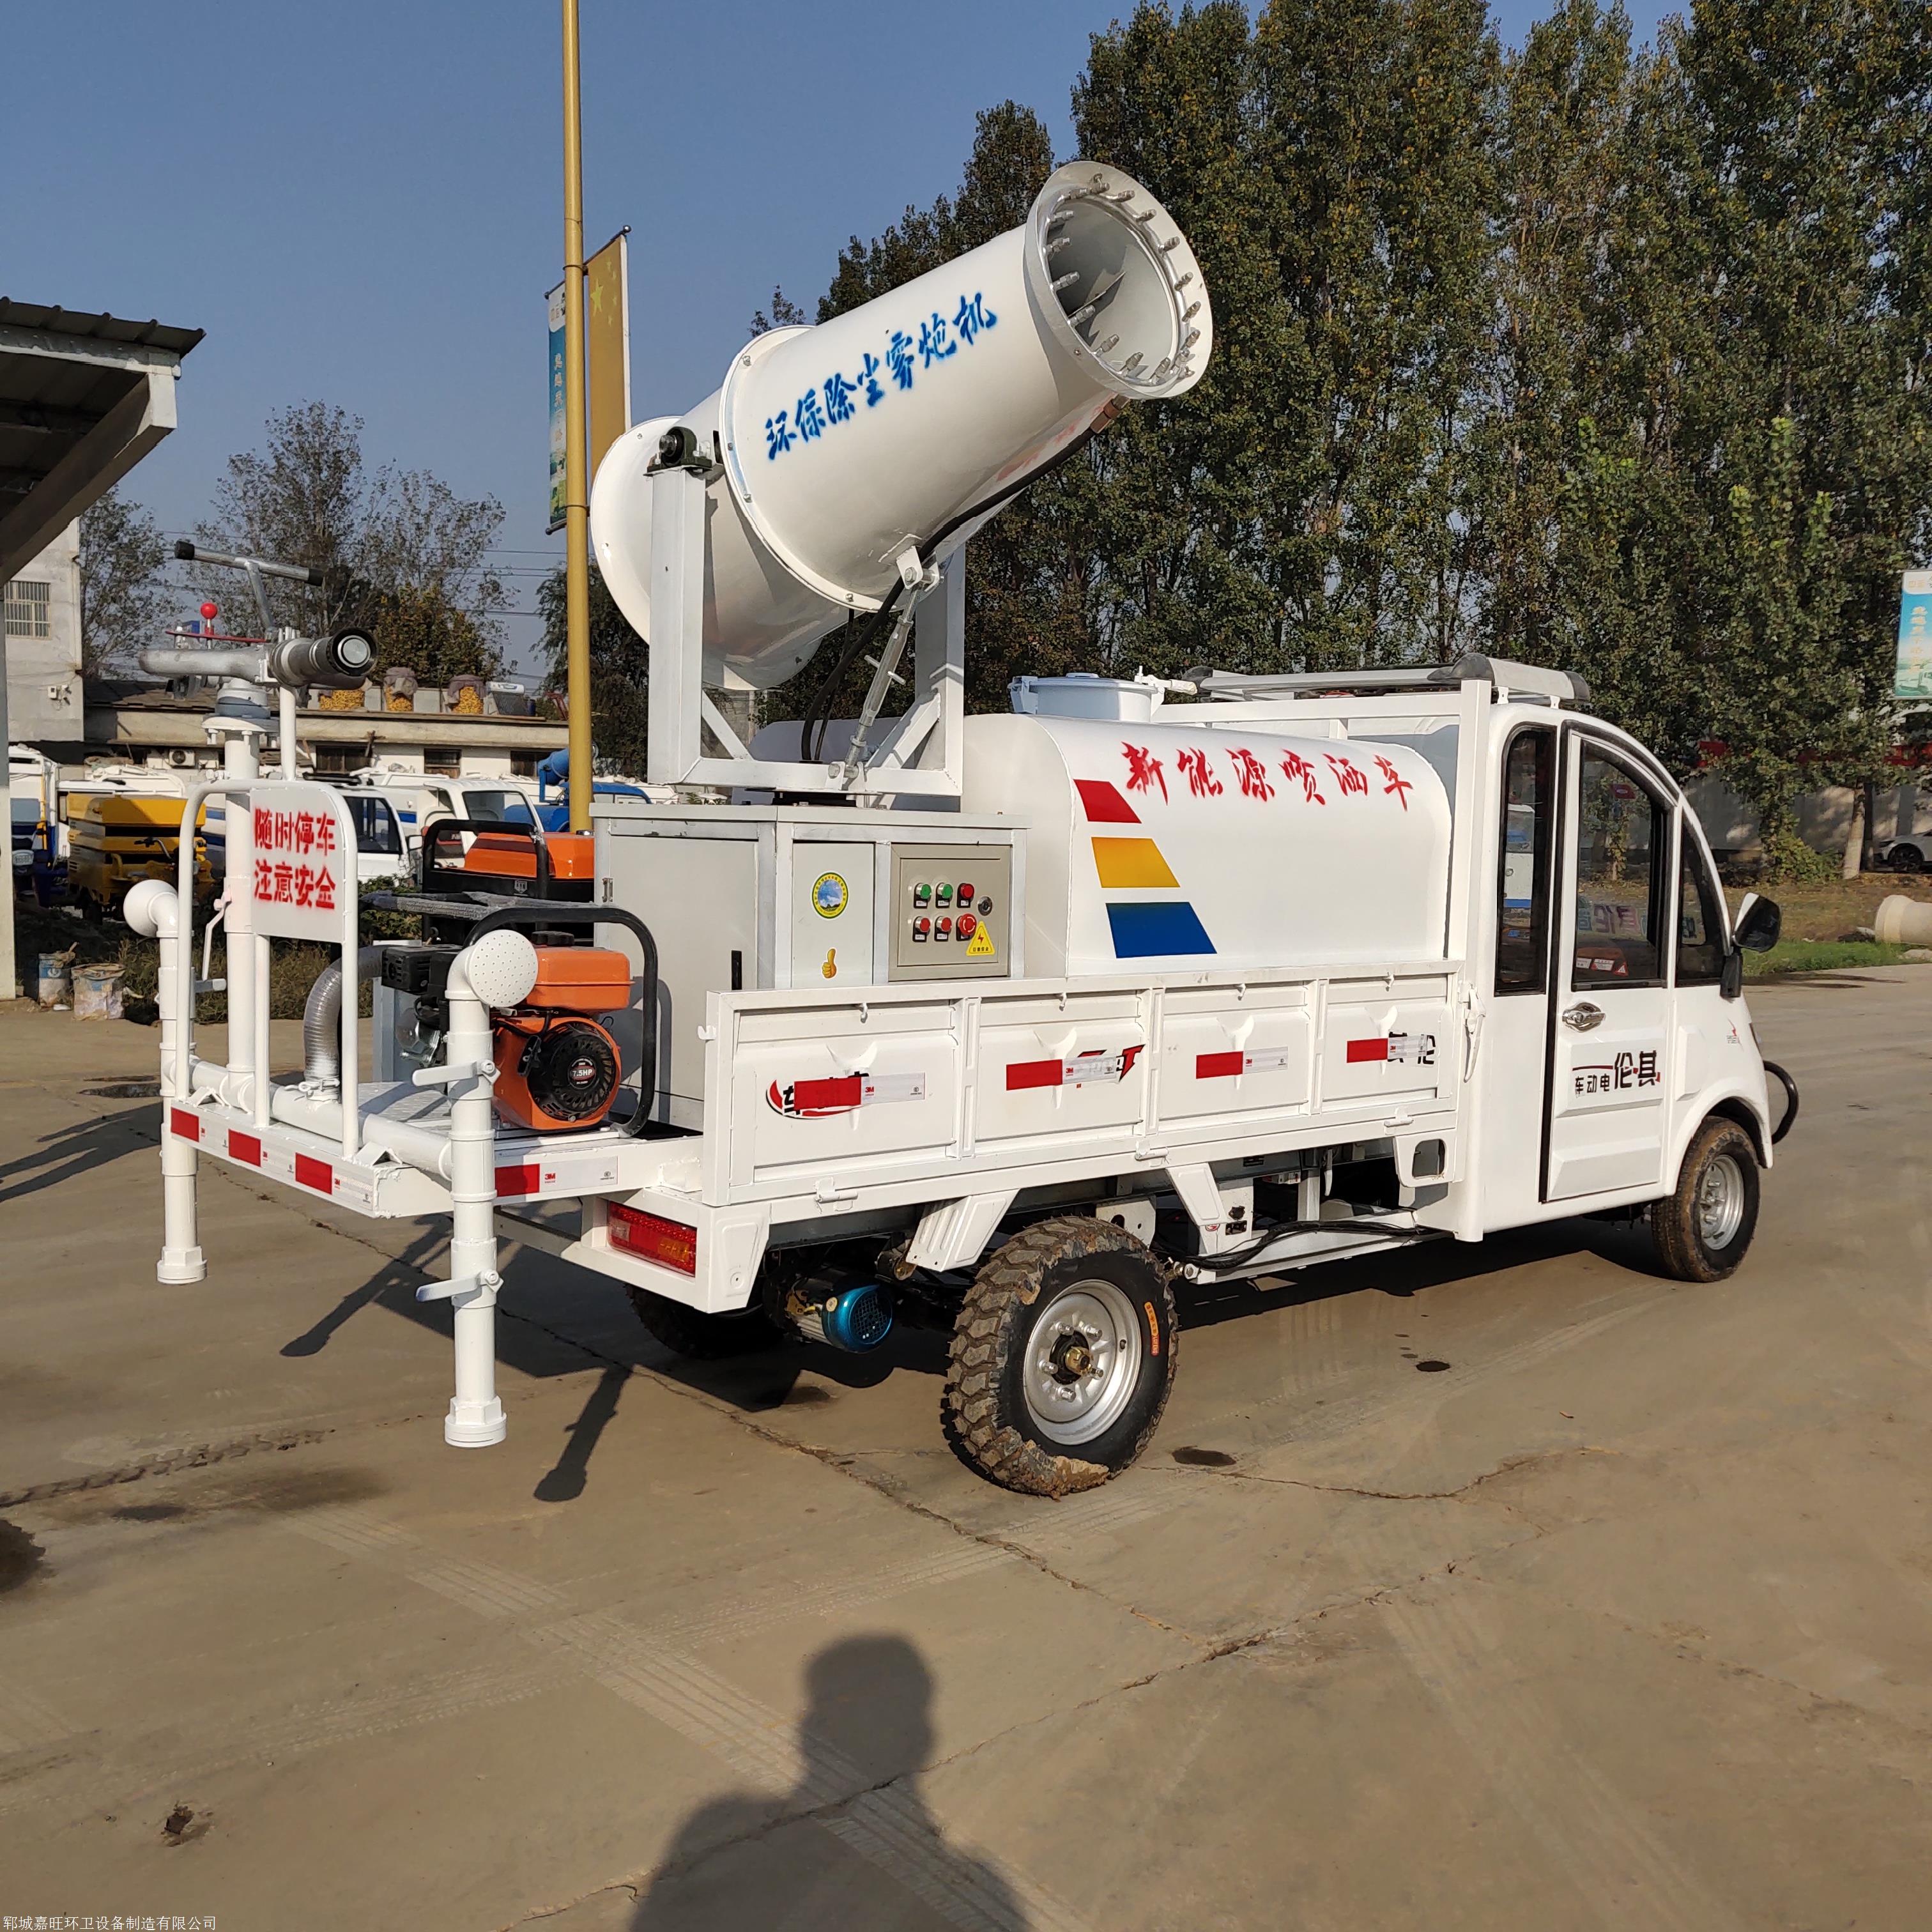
1007	1025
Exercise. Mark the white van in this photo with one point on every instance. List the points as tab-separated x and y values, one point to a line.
421	798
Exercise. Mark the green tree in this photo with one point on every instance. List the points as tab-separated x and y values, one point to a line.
1563	164
1377	132
420	624
1608	357
1811	118
620	672
123	601
1799	711
1592	525
399	552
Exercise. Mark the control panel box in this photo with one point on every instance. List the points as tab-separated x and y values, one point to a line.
951	916
746	898
831	912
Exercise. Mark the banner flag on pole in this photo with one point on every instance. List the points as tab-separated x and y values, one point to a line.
606	345
557	413
1911	676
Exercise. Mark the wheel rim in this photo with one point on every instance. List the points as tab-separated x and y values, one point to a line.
1083	1360
1721	1201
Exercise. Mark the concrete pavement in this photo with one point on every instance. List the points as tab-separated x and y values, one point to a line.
1620	1619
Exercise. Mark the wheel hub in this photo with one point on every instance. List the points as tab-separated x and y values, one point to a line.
1720	1202
1082	1361
1071	1358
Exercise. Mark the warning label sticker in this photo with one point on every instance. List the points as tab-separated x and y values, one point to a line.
980	946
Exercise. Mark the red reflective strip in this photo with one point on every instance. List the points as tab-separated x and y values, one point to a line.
311	1172
524	1180
1104	804
244	1147
1217	1065
1368	1049
183	1125
1023	1073
822	1096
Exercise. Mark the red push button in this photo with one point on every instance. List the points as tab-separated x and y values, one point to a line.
966	893
945	929
968	925
921	928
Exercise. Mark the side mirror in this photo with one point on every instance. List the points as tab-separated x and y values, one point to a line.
1759	922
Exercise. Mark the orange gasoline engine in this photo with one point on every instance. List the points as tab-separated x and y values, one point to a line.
556	1067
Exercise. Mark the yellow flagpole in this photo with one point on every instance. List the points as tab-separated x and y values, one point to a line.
576	494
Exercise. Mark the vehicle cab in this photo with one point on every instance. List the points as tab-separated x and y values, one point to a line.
382	839
1613	1024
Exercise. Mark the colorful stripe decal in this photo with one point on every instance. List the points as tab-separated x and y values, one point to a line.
1367	1049
246	1148
1131	862
1103	803
1146	929
1142	929
311	1172
183	1125
524	1179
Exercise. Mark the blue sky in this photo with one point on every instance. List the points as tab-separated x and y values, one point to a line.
361	203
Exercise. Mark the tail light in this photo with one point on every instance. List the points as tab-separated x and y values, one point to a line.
652	1238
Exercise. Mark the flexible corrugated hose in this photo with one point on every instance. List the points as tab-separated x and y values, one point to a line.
322	1016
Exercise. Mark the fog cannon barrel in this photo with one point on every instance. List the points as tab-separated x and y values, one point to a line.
839	448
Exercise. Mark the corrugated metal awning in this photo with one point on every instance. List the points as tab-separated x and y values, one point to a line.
83	398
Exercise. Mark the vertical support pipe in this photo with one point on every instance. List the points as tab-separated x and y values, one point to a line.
241	771
258	1053
576	492
476	1417
182	1260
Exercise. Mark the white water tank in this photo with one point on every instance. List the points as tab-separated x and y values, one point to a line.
1156	846
840	448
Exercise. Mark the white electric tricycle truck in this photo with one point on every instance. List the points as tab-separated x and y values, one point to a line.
1004	1023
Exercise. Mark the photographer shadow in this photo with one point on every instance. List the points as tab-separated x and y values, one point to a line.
852	1844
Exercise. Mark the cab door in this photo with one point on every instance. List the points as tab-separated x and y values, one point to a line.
1607	1110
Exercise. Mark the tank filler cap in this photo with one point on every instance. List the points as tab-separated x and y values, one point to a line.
1082	694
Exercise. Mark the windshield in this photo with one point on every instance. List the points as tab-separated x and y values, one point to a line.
504	807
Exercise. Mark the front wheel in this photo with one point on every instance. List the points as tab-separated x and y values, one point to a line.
1701	1230
1062	1358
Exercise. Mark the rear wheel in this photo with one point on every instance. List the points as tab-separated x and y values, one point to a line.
702	1337
1906	859
1063	1356
1703	1229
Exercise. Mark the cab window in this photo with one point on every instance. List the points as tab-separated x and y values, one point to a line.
1522	866
1700	924
375	825
1622	843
